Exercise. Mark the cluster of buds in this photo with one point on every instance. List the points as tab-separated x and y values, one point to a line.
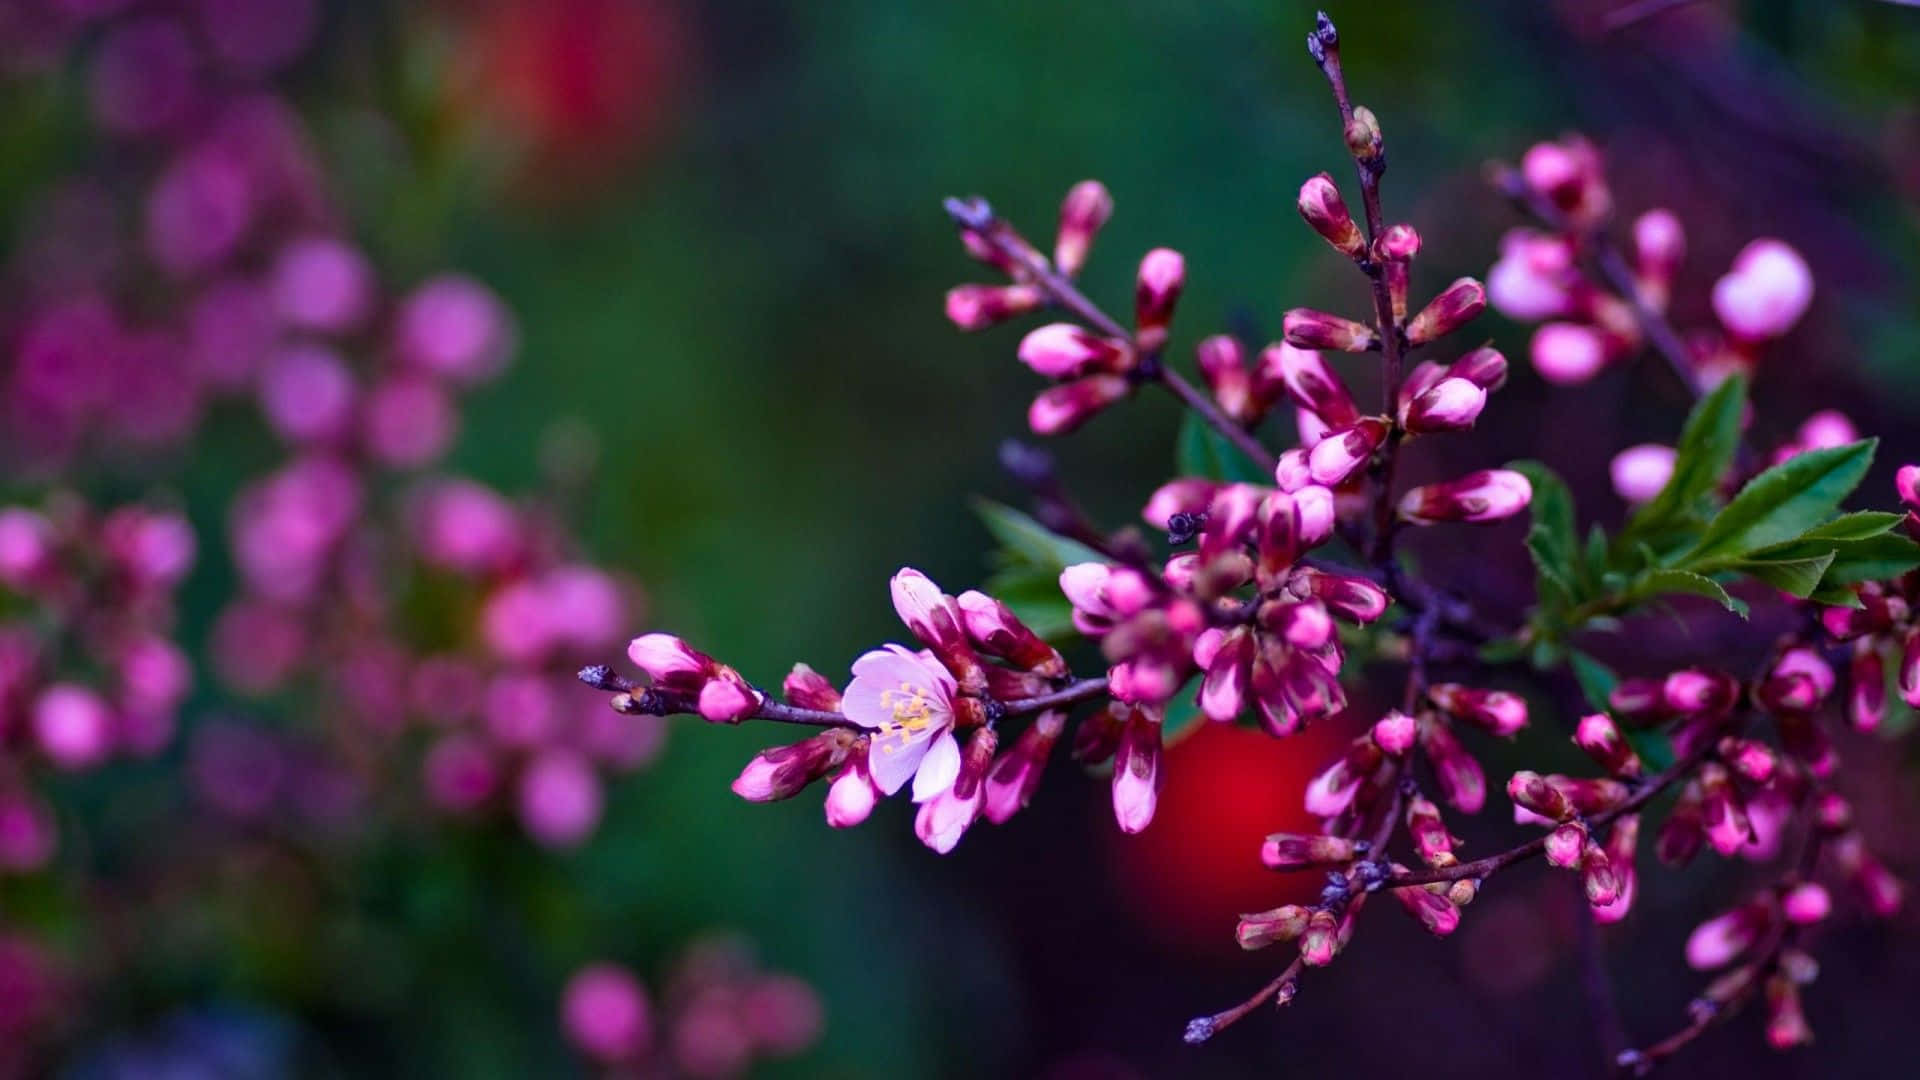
1590	322
930	717
1882	633
83	592
718	1014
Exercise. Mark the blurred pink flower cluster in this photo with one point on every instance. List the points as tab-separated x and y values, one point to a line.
717	1014
89	668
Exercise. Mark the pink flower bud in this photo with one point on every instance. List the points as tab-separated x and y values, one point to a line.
1451	405
1295	851
1312	429
73	726
1564	845
1015	776
560	799
1910	668
992	627
1308	329
1718	941
1659	244
976	307
1602	886
1533	792
1870	877
1136	772
1826	429
1786	1022
1320	940
1342	453
1223	693
1462	782
1799	681
1259	930
781	772
1697	691
1223	363
1066	351
1163	273
726	698
1312	383
1489	495
1353	598
1867	687
809	689
1330	793
1326	213
1456	306
1433	910
605	1015
1639	472
454	327
1231	519
1601	739
1569	174
1534	277
323	285
308	395
945	818
1496	711
1806	903
1062	408
1568	354
1723	815
1394	733
669	661
1186	495
1619	851
1086	208
1429	833
1765	293
934	618
26	546
852	795
1484	367
1907	483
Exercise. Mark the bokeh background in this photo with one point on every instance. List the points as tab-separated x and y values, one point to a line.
717	226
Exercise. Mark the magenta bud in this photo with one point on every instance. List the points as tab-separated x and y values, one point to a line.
1015	776
1869	876
1696	691
669	661
1433	910
1312	383
1806	903
1639	702
604	1013
1431	840
1721	939
1659	243
726	698
73	726
1569	174
1723	815
1452	404
809	689
1326	213
1640	472
1136	772
1601	739
1832	812
1496	711
1568	354
852	795
1597	876
1223	693
1485	367
1098	736
1456	305
976	307
1461	779
935	618
1163	273
1085	210
1343	453
1394	733
1425	376
1330	793
1321	939
1765	293
781	772
1063	408
1565	845
1867	689
1066	351
1398	243
1354	598
1294	851
1489	495
1309	329
1787	1025
992	627
1223	363
1259	930
1535	793
1907	482
1186	495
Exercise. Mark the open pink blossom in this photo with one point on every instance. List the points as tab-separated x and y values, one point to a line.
907	700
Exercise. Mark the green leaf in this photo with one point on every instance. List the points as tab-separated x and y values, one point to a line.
1781	503
1860	525
1552	539
1706	447
1202	451
1032	543
1596	679
1183	716
1662	582
1797	576
1876	558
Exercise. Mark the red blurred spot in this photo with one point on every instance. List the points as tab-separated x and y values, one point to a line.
583	85
1197	866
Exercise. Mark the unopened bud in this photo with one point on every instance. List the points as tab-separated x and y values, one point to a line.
1343	453
1163	273
1601	739
976	307
1363	136
1326	213
1306	328
1457	305
1062	408
1066	351
1451	405
1086	208
1295	851
1489	495
1259	930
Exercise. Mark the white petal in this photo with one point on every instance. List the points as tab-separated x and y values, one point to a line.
893	764
938	768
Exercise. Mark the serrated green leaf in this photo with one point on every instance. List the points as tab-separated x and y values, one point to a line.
1596	679
1797	576
1030	542
1860	525
1876	558
1663	582
1781	503
1201	451
1835	596
1551	538
1706	447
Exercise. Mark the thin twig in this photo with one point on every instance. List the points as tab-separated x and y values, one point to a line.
660	701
